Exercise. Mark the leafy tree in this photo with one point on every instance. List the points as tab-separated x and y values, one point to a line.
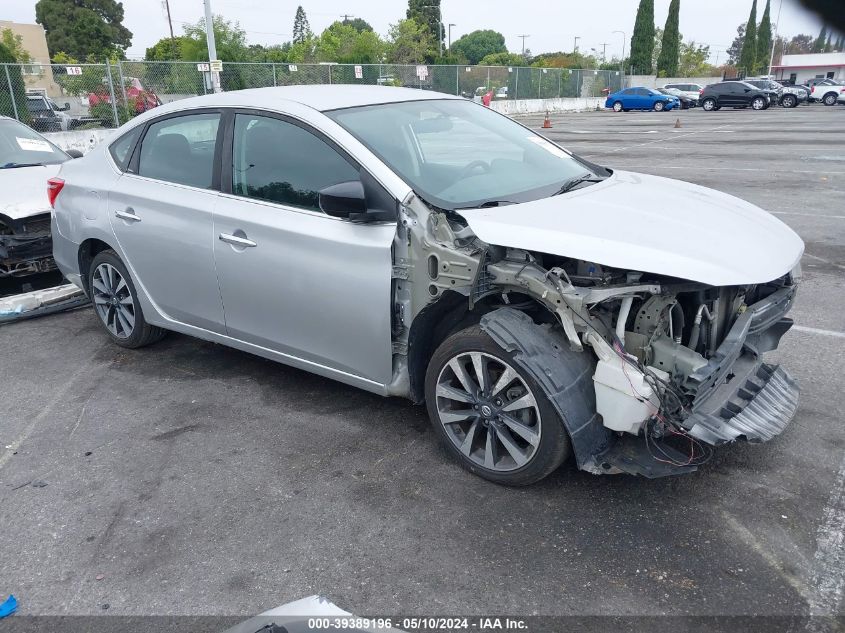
642	41
229	40
821	41
84	28
165	50
359	24
800	44
427	13
748	55
342	43
478	44
564	60
764	40
693	60
409	42
667	62
736	46
16	99
14	45
301	28
503	59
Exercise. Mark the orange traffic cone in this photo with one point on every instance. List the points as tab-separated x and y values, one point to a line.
547	122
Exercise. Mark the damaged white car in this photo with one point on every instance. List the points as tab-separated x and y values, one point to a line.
27	160
419	245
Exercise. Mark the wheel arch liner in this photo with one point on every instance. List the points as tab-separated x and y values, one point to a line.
565	376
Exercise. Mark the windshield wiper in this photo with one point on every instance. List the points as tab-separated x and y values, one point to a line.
15	165
570	184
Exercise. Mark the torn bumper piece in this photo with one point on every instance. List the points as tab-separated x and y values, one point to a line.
755	407
40	303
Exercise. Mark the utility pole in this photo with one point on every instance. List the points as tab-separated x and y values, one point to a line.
622	61
169	20
604	52
523	44
212	45
575	48
346	17
449	49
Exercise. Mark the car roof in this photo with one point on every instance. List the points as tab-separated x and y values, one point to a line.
321	97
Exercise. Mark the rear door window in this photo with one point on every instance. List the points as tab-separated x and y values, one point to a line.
181	150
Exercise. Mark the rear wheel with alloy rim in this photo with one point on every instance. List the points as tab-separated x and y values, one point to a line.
490	414
116	303
829	99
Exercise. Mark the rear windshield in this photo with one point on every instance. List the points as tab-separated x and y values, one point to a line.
22	147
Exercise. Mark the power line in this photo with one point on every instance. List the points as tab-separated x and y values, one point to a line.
523	43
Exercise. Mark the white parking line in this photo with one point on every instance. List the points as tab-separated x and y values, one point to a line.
809	215
671	138
828	569
815	330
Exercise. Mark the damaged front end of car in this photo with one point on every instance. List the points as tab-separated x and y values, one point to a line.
676	366
25	246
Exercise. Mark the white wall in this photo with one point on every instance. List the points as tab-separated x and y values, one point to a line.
83	140
536	106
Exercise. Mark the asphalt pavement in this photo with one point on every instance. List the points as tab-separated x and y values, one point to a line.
188	478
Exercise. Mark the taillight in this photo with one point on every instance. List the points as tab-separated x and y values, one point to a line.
54	188
701	91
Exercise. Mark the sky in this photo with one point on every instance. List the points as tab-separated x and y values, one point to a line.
551	25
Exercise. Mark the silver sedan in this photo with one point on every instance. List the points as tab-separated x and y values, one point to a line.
416	244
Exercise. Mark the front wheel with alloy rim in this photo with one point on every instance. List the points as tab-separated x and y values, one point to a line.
758	103
789	101
116	303
658	106
708	105
490	414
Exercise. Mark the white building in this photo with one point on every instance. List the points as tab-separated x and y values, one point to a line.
800	68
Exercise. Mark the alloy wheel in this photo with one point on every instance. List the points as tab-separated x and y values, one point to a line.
757	104
617	107
113	300
488	411
708	104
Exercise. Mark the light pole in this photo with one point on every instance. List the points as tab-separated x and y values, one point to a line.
212	46
575	48
774	40
622	61
449	49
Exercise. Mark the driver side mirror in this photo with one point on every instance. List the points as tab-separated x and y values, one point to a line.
343	200
65	107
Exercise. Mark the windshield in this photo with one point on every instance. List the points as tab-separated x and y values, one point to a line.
20	146
457	154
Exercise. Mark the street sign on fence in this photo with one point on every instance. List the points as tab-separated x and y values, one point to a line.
203	68
292	68
216	66
74	70
359	72
422	72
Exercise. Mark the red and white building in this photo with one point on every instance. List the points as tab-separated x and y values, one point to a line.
800	68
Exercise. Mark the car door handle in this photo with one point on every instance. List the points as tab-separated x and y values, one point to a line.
235	240
128	215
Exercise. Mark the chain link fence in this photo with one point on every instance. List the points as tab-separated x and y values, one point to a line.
61	97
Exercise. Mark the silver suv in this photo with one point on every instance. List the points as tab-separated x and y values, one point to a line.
419	245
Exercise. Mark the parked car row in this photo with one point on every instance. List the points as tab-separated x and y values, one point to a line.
758	93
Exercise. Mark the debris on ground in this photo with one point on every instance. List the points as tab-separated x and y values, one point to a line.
9	606
40	302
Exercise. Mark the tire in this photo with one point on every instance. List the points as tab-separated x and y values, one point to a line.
709	104
829	99
789	101
659	106
617	106
115	301
542	454
758	103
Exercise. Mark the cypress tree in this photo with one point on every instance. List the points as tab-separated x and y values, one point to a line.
748	56
821	41
301	28
764	41
642	41
670	48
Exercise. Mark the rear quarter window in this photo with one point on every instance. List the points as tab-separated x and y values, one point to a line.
121	149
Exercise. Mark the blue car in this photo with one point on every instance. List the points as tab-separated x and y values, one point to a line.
640	99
